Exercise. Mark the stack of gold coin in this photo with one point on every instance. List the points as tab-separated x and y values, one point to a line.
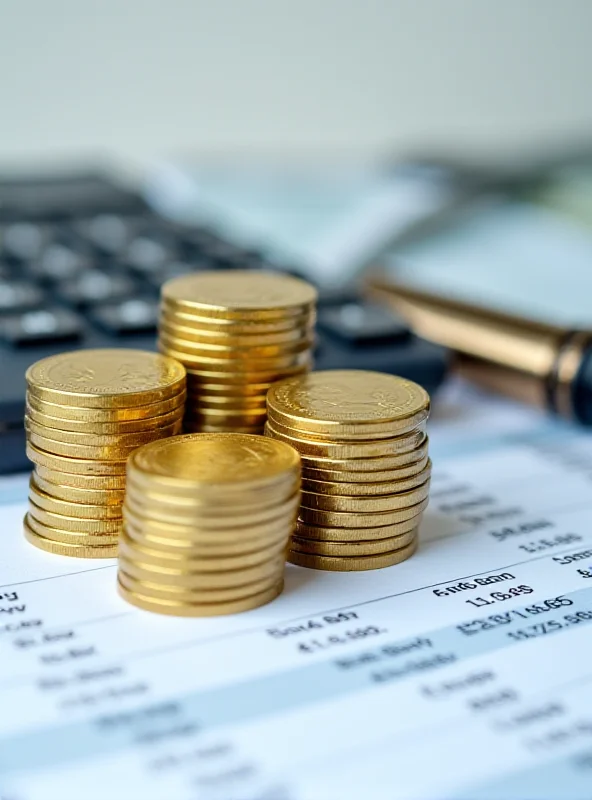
236	332
207	521
365	466
87	411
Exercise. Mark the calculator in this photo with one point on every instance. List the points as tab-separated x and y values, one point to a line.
82	260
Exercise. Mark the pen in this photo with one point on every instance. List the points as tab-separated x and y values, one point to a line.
544	365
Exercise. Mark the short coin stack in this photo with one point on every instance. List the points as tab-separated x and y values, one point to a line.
86	412
365	466
236	333
207	521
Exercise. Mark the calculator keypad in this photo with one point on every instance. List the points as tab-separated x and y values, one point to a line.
81	265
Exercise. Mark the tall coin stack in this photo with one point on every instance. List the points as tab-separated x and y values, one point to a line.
207	520
236	332
365	466
86	412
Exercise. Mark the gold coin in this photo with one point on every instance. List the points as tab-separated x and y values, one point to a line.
77	466
131	550
242	294
359	465
357	549
342	402
211	374
174	317
74	524
367	489
106	453
226	399
233	405
206	546
375	476
179	535
86	439
360	449
220	337
352	563
235	365
233	419
202	427
104	428
283	489
343	519
198	386
84	510
371	505
68	537
176	608
243	350
223	415
114	378
215	460
336	437
111	416
82	482
198	580
73	494
193	414
229	424
72	550
180	511
180	593
209	518
342	535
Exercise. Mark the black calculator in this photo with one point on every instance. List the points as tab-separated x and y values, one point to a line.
82	260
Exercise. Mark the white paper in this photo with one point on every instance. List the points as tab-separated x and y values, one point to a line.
463	673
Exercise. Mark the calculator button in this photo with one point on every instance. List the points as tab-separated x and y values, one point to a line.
19	296
94	287
148	255
24	241
109	233
362	323
41	327
139	315
59	262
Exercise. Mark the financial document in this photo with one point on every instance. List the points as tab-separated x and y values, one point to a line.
464	673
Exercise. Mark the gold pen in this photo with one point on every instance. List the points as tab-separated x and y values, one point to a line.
544	365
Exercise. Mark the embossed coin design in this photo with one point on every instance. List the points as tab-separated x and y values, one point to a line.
349	401
105	378
215	460
242	293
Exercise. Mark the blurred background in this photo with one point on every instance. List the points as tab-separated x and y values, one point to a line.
338	78
434	140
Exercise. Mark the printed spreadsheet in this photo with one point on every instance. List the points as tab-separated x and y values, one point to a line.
464	673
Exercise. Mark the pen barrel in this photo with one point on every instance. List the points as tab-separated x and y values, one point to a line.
528	360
